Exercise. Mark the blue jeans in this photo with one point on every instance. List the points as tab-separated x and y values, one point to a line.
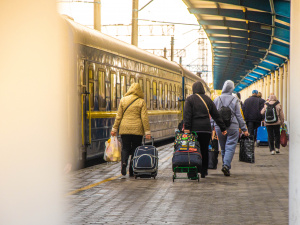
228	144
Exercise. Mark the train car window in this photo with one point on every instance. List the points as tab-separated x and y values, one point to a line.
148	94
170	96
107	91
141	82
166	93
123	85
174	97
113	98
118	90
179	89
101	81
132	80
91	88
155	97
161	95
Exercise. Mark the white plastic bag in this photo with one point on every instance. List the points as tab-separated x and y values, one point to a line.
112	151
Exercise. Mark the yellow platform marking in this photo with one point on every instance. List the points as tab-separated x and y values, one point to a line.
104	181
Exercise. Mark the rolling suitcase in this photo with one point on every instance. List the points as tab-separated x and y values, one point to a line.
262	136
213	154
145	161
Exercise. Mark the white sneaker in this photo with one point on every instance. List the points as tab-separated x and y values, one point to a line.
277	151
273	152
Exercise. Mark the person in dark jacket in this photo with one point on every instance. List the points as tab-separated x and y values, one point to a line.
251	108
196	113
228	143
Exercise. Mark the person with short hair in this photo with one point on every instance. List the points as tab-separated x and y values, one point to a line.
251	109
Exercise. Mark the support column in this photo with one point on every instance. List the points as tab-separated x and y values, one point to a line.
276	84
288	92
263	90
272	83
284	92
280	83
268	86
97	15
294	143
135	28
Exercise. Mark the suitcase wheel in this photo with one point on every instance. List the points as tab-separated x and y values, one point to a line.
257	143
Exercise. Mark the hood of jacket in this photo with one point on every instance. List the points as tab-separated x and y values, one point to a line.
228	87
135	89
198	88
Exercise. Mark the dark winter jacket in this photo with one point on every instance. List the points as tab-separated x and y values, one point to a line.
227	99
252	107
195	114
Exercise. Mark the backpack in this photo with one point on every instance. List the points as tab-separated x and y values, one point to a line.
226	113
271	114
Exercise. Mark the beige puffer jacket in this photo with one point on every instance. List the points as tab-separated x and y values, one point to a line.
279	111
135	120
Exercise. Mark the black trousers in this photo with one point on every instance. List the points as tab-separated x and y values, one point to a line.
273	135
129	144
252	128
204	139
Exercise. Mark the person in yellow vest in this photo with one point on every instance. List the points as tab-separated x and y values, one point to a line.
132	123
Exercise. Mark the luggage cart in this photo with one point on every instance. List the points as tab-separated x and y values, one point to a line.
186	169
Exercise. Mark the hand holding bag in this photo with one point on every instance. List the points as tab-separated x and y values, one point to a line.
283	138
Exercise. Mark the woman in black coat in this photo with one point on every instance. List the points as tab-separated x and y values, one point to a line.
196	113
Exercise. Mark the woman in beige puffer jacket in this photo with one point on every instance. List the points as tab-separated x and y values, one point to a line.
274	128
132	124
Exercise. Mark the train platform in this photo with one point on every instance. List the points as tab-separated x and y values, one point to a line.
253	194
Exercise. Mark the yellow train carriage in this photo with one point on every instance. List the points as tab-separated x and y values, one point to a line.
104	68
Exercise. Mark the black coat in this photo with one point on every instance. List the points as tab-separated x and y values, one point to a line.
252	107
195	114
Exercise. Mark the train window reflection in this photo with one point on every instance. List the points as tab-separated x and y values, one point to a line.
113	98
148	94
170	97
132	80
166	93
101	80
91	88
123	85
161	95
141	82
118	90
155	97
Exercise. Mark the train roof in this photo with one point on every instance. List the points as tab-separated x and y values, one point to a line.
95	39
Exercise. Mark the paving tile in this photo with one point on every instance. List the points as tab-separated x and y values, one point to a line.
253	194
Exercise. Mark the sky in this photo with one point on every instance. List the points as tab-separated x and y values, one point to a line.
120	11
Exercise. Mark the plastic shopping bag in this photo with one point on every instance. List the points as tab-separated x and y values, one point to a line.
112	151
283	138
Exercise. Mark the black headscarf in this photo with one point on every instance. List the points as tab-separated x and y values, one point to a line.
198	88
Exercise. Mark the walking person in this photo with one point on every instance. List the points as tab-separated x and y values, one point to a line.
251	109
274	117
197	109
235	121
132	122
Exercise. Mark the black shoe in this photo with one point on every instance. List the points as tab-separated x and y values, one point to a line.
202	175
123	170
226	171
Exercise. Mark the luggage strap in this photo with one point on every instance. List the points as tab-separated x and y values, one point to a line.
135	157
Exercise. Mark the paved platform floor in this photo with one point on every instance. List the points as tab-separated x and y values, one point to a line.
253	194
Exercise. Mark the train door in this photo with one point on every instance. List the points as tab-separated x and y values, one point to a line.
83	93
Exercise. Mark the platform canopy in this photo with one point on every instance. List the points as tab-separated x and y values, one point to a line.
250	38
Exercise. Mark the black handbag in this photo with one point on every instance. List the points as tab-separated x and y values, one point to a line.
247	149
213	154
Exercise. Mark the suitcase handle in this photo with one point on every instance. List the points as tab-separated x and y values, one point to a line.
144	139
